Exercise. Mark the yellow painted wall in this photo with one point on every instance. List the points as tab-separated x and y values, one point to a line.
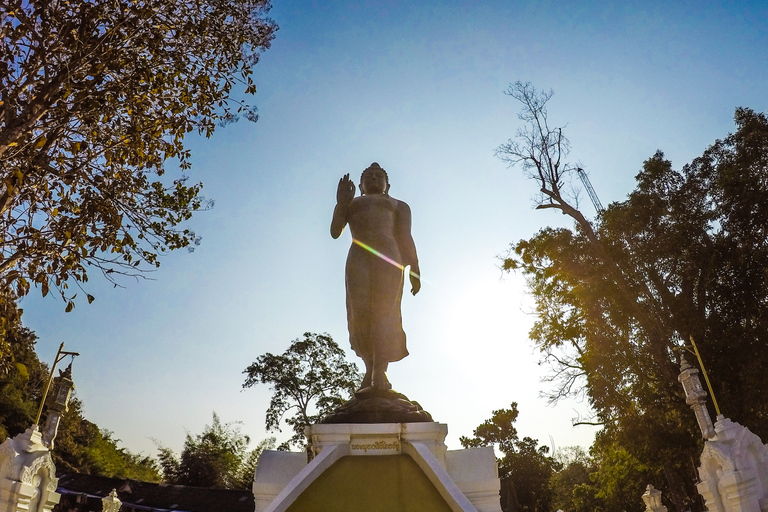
388	483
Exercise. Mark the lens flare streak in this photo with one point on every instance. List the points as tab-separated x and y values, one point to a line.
384	257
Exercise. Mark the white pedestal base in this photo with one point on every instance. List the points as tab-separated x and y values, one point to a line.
466	479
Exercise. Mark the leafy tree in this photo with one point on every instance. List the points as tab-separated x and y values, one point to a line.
499	431
10	321
617	298
21	380
312	377
83	447
218	457
571	486
523	462
244	478
94	98
609	480
620	479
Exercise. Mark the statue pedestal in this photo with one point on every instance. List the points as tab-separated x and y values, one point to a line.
379	406
378	467
27	474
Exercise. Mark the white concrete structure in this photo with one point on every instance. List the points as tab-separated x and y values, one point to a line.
734	462
652	499
27	475
466	479
111	503
734	470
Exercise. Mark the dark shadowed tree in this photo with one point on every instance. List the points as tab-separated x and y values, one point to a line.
569	483
683	256
217	457
10	323
95	97
83	447
311	378
22	375
523	463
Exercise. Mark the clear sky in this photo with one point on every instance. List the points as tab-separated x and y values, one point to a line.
416	86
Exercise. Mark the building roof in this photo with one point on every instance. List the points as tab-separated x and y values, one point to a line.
147	496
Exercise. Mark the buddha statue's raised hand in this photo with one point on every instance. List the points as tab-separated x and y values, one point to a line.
346	191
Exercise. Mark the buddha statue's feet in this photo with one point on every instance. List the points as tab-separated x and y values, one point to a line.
375	381
372	405
367	380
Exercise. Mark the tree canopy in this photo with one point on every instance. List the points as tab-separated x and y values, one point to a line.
22	377
312	378
84	447
571	485
618	298
608	479
524	466
217	457
95	97
81	445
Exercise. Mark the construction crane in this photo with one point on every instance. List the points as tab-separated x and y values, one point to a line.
587	185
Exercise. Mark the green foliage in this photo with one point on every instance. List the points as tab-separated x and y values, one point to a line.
525	463
81	446
10	324
571	486
312	377
498	431
94	98
218	457
611	480
684	256
22	375
620	479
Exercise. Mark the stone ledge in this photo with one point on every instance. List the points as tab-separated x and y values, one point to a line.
378	438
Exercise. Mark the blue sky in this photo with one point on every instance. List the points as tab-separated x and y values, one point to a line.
416	86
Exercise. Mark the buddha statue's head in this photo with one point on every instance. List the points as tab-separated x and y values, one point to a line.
374	180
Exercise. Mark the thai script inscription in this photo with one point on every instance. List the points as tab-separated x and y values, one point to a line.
378	445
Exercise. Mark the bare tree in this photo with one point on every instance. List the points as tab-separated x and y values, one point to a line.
541	151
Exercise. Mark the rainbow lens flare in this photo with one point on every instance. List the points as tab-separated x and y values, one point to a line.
384	257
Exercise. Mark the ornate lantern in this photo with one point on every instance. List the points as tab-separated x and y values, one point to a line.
62	390
696	397
57	403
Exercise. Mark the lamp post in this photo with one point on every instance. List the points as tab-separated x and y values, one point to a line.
695	395
58	402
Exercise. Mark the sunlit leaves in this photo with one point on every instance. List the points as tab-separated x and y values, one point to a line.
95	97
683	256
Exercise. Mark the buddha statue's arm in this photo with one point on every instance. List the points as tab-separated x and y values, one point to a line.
344	195
407	246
